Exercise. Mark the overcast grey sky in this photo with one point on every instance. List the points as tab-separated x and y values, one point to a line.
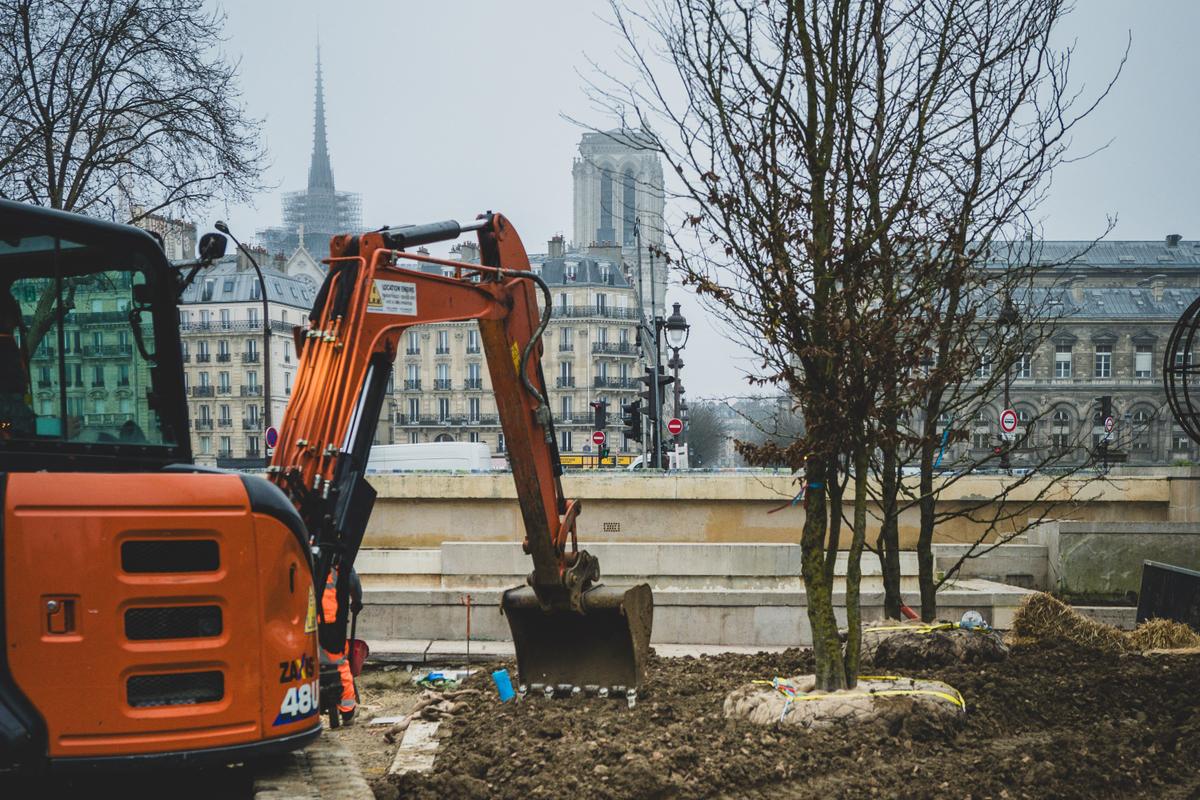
445	109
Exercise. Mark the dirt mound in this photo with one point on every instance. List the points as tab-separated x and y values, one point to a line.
1050	721
905	649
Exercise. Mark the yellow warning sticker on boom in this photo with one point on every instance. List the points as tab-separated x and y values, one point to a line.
392	297
310	619
516	354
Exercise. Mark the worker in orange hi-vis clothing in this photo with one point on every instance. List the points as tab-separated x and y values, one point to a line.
349	702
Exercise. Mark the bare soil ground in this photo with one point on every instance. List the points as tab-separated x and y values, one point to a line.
1050	721
382	692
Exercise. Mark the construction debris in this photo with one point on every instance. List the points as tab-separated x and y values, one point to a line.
1043	617
432	707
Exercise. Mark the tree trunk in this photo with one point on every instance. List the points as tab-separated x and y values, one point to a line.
833	484
854	569
888	545
925	576
827	648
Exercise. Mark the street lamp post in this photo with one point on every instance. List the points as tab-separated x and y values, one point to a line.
1008	319
678	330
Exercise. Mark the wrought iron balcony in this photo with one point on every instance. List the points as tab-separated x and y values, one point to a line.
564	383
202	391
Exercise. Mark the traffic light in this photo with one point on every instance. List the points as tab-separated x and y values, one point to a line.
648	395
631	418
1104	407
601	417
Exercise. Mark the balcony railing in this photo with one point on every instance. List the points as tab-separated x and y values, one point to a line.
224	358
608	312
278	326
187	358
472	351
251	391
250	358
412	351
405	419
605	382
107	350
42	384
204	424
202	391
564	383
224	423
615	348
473	383
98	384
106	419
224	454
224	390
566	347
252	424
442	351
203	358
411	385
441	383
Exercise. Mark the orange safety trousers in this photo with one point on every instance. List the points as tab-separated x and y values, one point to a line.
342	659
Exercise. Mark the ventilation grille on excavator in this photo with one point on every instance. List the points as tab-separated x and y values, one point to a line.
175	689
172	622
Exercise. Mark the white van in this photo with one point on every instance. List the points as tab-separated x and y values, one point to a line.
437	456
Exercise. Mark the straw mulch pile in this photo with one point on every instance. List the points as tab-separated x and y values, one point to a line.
1042	617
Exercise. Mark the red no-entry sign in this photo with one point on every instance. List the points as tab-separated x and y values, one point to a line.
675	426
598	438
1008	420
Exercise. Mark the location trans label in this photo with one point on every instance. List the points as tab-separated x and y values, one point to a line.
393	297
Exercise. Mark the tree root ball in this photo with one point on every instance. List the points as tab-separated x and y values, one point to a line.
921	708
935	648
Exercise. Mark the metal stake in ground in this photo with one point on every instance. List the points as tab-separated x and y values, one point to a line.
466	600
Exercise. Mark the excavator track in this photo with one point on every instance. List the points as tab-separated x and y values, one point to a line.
325	770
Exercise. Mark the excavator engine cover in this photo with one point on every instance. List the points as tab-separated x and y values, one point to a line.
605	647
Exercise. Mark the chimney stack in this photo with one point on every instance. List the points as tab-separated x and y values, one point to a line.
1173	239
556	247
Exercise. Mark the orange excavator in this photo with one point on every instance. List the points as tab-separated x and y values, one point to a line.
154	611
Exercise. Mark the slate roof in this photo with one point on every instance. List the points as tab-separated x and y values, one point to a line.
1079	254
231	285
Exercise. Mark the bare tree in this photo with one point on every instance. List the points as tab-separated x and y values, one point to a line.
844	166
707	434
120	108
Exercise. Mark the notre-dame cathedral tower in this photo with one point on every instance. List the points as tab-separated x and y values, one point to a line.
618	180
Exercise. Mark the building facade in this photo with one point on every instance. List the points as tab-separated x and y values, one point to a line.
225	368
441	388
1118	302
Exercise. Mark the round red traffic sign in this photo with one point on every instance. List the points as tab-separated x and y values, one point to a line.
1109	423
675	426
1008	420
598	437
272	436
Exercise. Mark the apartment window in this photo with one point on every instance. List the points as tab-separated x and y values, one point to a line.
185	318
226	446
566	340
1180	441
1103	365
1060	430
500	443
287	352
443	377
183	347
414	409
206	445
252	350
252	316
97	375
252	378
205	414
473	341
564	441
122	375
255	290
414	343
202	351
443	343
205	317
414	437
287	383
1024	366
565	409
225	320
251	447
223	382
562	302
473	409
206	293
97	340
601	303
204	378
1143	361
473	436
1062	361
474	376
77	374
565	377
1141	429
602	335
226	416
443	409
223	350
984	369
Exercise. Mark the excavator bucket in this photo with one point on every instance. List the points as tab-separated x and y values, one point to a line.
604	647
